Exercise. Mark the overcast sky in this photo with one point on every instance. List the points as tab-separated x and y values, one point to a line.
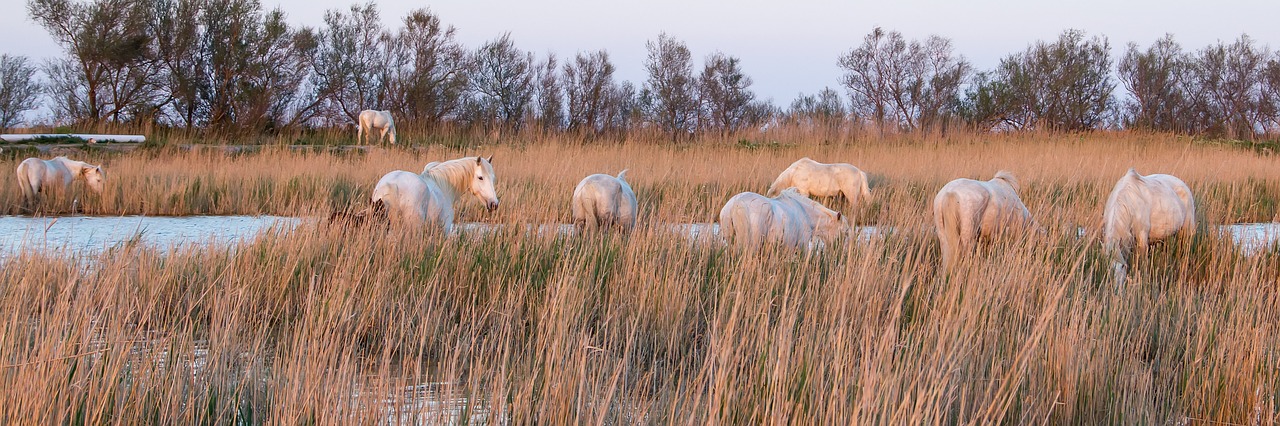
787	47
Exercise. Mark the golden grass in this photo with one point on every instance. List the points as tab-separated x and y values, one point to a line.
333	326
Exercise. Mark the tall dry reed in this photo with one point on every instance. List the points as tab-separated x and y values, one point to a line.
332	326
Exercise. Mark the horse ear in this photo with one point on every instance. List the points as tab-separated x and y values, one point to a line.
478	159
490	159
839	216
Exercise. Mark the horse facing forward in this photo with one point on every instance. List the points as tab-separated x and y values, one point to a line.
371	120
1141	210
601	201
810	177
790	218
419	199
36	176
966	210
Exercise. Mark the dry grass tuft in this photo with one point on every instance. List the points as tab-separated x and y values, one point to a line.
327	324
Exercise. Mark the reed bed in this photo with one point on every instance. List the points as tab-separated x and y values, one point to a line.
335	325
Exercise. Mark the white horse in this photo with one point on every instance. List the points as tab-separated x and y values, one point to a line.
601	200
966	210
1141	210
824	180
380	120
419	199
790	218
36	176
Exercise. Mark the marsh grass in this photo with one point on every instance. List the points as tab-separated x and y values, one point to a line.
333	325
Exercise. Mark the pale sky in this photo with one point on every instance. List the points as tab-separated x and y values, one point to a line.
787	47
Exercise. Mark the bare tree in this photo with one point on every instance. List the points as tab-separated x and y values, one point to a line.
589	91
550	95
1061	86
825	111
179	50
348	62
622	108
936	75
876	75
670	90
253	70
1271	92
110	72
429	69
502	83
1154	80
1229	80
725	94
899	83
19	89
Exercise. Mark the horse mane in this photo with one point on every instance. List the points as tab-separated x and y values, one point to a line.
792	194
1008	176
453	175
76	165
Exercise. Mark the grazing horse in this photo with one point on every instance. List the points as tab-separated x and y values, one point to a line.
966	210
601	200
1141	210
790	218
380	120
424	198
824	180
36	176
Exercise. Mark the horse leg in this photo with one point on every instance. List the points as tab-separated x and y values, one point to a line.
384	135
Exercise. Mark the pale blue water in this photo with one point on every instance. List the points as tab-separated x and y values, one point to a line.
92	234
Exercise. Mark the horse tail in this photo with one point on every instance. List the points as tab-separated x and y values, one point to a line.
385	193
1117	230
24	182
946	221
360	129
1189	202
866	188
729	221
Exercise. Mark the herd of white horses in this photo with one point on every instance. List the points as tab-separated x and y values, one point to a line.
1140	210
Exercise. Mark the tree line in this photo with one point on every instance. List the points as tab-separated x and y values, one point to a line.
233	67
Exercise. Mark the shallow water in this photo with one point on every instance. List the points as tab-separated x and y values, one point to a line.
93	234
1253	237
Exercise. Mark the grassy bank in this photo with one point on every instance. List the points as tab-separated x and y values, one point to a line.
1065	177
329	326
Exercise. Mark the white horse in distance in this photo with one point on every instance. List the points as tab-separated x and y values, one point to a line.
1141	210
966	210
36	176
427	198
790	218
824	180
601	201
371	120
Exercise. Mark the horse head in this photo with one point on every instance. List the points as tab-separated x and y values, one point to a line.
482	183
93	176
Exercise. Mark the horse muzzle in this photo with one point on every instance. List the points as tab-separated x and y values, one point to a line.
491	206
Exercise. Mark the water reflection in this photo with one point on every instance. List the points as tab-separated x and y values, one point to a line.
74	235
